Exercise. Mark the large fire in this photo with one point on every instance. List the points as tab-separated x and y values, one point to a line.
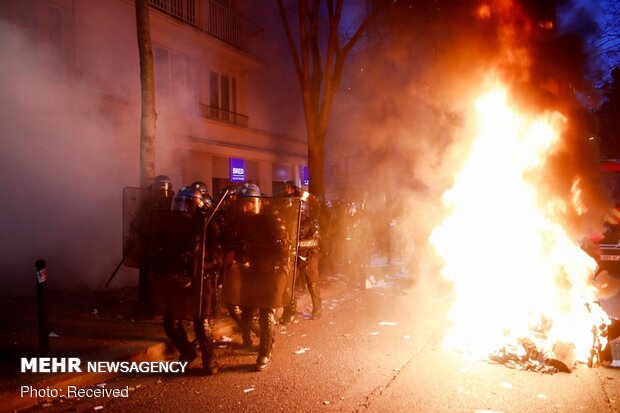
516	271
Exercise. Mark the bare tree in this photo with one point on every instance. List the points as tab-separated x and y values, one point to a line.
147	82
319	59
608	44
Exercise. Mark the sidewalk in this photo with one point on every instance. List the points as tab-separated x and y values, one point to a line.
94	326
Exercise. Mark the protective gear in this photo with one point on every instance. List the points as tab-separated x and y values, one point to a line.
231	189
202	187
260	244
208	204
308	269
248	189
173	327
162	186
175	331
138	205
289	313
267	320
244	317
315	295
259	265
180	280
188	199
290	189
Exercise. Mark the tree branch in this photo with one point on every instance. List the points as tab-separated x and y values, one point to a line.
289	37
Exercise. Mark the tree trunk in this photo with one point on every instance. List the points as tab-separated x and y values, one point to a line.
316	161
319	80
147	86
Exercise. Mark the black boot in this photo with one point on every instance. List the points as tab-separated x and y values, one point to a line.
268	327
202	329
244	320
315	295
248	326
289	313
176	333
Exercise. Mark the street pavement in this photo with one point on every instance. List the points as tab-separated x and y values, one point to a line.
102	325
378	350
364	371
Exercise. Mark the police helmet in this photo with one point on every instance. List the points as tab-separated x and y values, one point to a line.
208	201
162	185
202	187
188	199
248	189
290	189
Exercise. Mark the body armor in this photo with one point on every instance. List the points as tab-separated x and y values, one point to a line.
260	249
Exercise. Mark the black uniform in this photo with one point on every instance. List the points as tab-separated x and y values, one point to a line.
308	266
251	227
257	266
185	261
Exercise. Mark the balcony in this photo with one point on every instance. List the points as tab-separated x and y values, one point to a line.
222	115
211	17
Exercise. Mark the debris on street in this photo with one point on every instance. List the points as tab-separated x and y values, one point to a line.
527	356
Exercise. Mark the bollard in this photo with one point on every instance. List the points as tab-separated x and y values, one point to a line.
41	278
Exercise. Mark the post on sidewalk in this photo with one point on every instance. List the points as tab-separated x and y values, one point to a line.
41	278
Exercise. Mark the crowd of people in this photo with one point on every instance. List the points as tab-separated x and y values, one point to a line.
255	250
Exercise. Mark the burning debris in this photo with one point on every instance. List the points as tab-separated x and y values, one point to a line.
526	356
529	354
550	318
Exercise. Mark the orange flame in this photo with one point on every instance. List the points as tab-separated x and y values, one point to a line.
516	271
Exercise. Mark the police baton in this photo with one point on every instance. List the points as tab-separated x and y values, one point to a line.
204	243
41	279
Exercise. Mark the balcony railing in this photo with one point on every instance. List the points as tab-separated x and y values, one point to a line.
211	112
212	17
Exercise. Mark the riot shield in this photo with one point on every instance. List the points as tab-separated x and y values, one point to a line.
175	265
134	226
138	204
261	241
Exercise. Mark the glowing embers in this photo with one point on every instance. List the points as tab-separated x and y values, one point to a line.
518	276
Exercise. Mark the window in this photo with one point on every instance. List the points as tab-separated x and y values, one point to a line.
48	31
223	100
223	92
173	71
225	97
214	95
214	90
162	75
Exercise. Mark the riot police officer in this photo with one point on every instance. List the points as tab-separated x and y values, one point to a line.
308	253
252	225
190	199
215	239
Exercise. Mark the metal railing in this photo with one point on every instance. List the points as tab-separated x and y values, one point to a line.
211	112
211	17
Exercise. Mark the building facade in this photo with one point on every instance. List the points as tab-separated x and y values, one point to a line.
225	96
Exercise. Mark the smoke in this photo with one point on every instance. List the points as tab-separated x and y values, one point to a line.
64	158
70	121
406	109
